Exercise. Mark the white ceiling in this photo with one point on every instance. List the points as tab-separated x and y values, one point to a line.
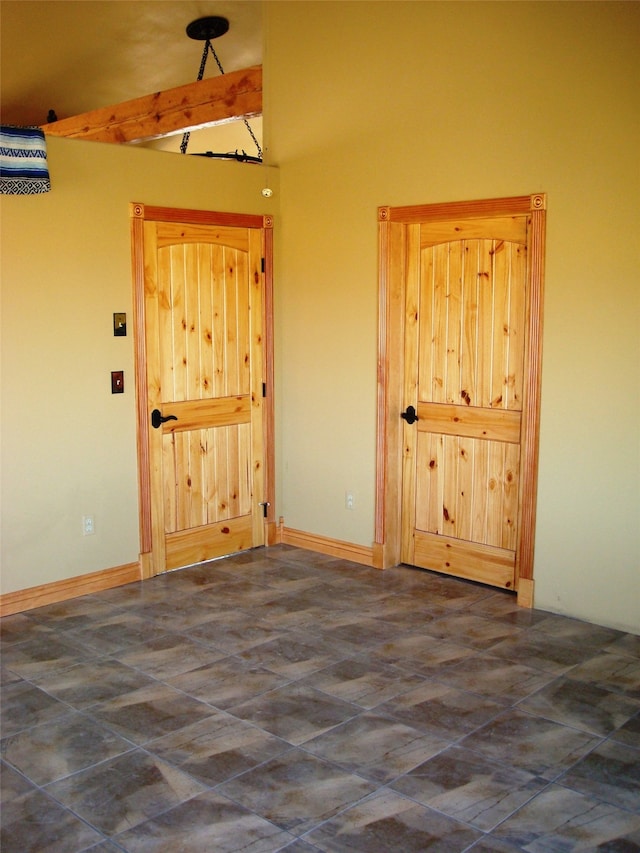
73	56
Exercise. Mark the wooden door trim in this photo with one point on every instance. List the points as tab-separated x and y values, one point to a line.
484	208
139	214
531	399
200	217
392	223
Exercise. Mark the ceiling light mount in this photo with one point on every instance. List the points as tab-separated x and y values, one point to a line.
206	29
210	27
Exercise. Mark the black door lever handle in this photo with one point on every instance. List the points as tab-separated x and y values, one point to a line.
410	415
157	419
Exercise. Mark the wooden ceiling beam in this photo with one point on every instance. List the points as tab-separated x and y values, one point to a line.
216	100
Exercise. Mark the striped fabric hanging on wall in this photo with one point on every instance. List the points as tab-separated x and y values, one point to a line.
23	161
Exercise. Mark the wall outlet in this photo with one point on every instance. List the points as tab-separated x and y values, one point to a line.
88	527
349	500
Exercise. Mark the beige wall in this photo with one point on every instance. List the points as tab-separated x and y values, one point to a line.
68	444
404	103
367	104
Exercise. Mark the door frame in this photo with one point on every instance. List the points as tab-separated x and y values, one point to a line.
391	331
139	213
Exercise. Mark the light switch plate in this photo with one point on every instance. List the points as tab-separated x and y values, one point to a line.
120	325
117	382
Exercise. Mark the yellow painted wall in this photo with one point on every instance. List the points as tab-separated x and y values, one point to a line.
367	104
397	103
68	444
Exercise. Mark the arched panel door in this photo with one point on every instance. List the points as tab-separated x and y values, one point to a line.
202	389
462	287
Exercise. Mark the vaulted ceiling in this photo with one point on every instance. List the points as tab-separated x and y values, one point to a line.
75	56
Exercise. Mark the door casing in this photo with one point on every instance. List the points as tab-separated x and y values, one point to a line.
388	521
139	213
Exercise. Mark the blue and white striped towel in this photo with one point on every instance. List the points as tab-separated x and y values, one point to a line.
23	161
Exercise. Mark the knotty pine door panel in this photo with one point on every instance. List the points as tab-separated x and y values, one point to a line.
464	364
205	371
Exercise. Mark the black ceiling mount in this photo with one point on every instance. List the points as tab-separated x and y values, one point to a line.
205	29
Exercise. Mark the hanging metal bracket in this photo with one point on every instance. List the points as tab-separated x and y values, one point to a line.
205	29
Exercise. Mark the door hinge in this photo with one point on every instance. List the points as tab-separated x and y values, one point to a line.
265	506
262	264
264	389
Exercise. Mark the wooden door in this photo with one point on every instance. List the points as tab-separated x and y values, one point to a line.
204	384
470	314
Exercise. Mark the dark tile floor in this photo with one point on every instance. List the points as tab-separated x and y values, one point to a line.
285	700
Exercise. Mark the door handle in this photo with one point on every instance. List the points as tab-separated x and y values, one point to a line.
157	419
410	415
